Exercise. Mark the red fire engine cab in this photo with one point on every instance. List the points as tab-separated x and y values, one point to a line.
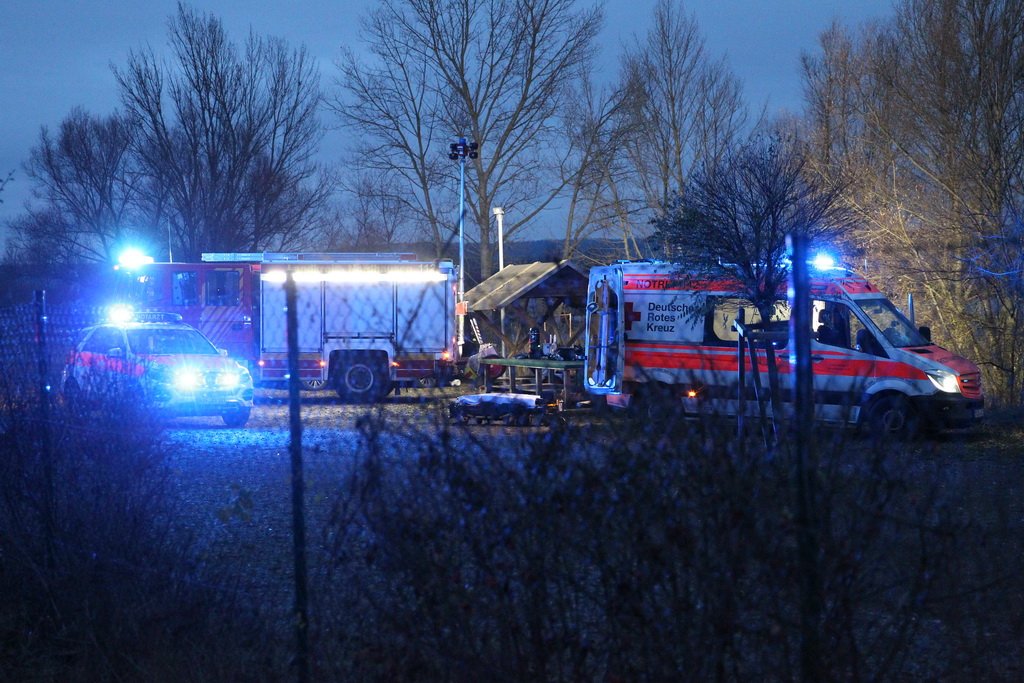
219	297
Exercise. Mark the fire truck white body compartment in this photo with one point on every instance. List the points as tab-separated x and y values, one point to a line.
363	325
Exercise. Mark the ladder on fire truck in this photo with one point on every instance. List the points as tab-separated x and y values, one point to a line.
475	327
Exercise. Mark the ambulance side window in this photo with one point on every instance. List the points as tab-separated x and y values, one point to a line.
723	311
831	324
863	339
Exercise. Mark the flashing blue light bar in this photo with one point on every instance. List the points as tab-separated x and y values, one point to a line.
133	258
823	261
120	313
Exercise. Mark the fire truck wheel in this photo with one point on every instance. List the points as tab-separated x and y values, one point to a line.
362	378
314	384
891	416
236	418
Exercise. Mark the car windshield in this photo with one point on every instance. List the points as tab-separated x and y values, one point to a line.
152	341
893	324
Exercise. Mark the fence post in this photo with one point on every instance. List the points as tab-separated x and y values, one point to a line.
298	486
741	389
807	540
45	447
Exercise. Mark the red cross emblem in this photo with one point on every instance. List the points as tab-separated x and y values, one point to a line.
631	315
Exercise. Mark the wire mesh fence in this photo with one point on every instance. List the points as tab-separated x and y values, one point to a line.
616	546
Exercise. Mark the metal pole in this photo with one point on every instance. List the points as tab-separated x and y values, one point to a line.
462	248
298	486
499	214
807	538
45	447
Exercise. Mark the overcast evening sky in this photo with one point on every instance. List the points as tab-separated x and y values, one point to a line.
56	54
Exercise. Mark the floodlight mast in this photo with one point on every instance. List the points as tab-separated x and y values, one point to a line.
460	150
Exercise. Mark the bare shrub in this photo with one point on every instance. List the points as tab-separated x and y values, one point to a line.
618	551
100	582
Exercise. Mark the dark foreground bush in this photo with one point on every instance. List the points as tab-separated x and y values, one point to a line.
628	553
98	579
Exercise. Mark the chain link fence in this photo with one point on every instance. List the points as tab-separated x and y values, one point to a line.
616	547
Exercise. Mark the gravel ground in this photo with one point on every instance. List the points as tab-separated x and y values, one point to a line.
236	489
235	484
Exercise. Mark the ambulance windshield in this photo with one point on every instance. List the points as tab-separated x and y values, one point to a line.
893	324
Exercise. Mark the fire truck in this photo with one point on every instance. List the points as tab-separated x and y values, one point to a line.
652	329
367	323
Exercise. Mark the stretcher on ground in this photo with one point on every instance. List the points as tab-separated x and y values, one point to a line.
509	408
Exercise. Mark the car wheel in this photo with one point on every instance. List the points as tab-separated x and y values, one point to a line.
362	378
891	416
237	418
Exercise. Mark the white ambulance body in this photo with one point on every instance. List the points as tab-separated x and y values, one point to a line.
367	323
648	324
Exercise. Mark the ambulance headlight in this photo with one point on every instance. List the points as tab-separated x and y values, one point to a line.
944	381
187	379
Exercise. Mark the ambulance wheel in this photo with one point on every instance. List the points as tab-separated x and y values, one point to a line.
362	377
236	418
313	384
891	416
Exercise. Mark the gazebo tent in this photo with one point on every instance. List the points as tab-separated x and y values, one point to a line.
531	294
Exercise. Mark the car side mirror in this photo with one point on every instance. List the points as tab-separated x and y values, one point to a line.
115	352
223	352
926	332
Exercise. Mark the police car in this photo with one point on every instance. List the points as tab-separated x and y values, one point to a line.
167	365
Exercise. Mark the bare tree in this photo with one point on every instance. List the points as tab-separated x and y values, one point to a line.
494	71
685	108
226	138
595	169
40	236
734	214
930	130
3	183
85	178
375	214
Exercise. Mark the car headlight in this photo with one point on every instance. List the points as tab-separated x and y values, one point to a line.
944	381
187	379
228	379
